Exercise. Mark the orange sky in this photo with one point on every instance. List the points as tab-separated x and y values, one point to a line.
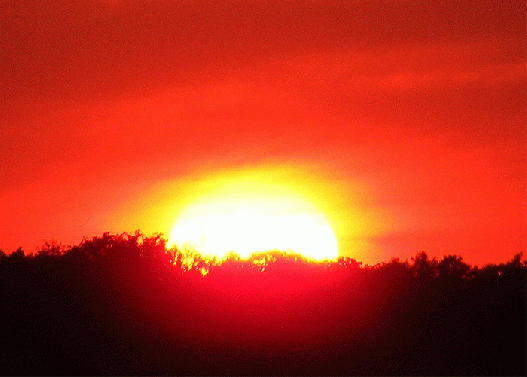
418	108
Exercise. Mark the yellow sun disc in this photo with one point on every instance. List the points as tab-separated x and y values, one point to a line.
293	206
244	218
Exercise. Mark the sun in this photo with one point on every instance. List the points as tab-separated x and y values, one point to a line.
251	215
309	209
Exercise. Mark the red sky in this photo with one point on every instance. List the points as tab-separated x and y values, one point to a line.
421	104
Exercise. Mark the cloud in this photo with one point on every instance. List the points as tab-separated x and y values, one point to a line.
431	67
95	49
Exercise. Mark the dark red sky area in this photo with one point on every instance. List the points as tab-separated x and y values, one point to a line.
423	101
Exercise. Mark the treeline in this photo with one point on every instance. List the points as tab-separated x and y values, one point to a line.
124	304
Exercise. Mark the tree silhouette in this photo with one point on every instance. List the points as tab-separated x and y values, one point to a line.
424	268
124	304
452	266
51	249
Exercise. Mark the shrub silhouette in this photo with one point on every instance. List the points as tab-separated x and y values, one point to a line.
124	304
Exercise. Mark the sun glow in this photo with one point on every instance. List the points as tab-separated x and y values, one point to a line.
294	206
247	217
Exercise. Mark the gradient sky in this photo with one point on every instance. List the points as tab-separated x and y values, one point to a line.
418	107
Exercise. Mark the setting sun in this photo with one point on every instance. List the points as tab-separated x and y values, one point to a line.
246	217
291	207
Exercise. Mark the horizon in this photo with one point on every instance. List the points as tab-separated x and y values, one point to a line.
55	248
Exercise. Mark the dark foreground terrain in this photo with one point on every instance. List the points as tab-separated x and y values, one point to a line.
124	305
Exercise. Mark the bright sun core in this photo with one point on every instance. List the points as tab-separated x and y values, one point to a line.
247	218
